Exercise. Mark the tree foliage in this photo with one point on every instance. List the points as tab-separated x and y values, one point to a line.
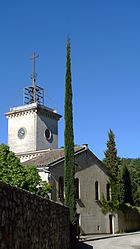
13	173
125	185
133	167
111	159
124	178
112	162
69	167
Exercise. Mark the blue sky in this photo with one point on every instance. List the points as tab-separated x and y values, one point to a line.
105	57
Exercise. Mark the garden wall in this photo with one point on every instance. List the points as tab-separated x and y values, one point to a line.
30	221
129	221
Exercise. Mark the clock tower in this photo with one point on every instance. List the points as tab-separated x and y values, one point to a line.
32	127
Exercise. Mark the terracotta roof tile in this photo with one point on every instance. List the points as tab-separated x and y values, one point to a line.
50	156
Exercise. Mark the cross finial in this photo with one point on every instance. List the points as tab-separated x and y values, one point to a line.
33	58
34	93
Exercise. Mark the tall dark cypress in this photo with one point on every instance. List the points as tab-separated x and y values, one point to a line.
69	167
112	162
127	184
111	159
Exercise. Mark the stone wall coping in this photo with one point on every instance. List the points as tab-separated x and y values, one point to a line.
32	194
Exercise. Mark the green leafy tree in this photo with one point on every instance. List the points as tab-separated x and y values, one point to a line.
44	189
105	205
133	166
121	188
11	170
138	197
69	167
112	162
135	180
125	185
111	159
136	164
13	173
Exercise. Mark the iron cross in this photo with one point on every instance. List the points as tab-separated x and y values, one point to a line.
33	58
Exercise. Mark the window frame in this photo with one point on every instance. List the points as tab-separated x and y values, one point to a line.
96	191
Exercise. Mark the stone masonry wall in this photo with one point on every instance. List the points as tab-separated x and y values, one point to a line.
129	221
29	221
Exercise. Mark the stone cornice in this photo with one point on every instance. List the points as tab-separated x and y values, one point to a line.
19	113
30	109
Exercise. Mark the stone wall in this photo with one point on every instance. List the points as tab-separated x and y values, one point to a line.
128	221
29	221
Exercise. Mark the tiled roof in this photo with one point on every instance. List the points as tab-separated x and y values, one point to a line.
51	156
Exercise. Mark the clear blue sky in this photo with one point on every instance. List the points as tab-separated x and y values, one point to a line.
105	55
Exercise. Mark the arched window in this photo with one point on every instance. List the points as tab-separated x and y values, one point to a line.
61	187
96	191
77	188
108	192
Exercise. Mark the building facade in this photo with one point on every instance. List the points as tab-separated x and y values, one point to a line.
33	136
91	182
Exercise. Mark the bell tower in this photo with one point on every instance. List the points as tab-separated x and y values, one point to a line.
32	127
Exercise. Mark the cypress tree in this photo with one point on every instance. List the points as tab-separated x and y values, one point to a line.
69	166
111	159
127	185
112	162
121	188
134	175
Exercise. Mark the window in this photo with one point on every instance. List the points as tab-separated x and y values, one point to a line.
77	188
61	187
96	191
108	192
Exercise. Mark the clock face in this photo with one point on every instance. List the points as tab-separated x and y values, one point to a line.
48	134
21	133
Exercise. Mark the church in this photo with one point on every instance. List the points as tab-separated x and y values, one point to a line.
33	137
